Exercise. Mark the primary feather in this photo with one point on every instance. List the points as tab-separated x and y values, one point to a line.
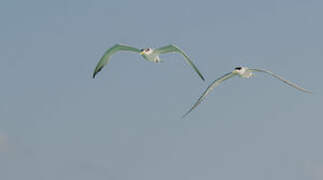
172	48
209	89
282	79
106	56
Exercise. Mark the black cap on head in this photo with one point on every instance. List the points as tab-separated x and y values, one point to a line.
238	68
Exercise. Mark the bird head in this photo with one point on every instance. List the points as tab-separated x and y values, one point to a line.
146	51
243	72
240	70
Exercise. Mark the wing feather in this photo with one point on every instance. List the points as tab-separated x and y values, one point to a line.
209	89
282	79
172	48
106	56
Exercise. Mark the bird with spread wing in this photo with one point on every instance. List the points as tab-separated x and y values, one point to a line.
243	72
147	53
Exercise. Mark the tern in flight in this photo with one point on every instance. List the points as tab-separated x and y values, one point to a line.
149	54
243	72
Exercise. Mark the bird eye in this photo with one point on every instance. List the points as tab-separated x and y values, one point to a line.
238	68
148	49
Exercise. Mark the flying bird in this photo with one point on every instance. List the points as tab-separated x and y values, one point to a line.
148	53
243	72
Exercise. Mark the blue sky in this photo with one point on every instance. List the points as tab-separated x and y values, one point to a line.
56	122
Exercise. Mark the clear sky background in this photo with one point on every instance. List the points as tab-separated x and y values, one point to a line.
56	122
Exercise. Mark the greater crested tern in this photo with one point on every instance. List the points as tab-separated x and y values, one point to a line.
243	72
147	53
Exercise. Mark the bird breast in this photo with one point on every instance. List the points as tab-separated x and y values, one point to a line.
151	57
246	74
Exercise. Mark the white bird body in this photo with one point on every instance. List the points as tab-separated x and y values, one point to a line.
242	72
150	55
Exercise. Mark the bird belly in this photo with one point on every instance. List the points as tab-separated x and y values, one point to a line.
152	58
247	74
157	59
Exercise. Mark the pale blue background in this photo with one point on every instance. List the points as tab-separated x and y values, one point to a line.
58	123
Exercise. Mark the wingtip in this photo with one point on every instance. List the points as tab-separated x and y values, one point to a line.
309	92
94	74
189	111
96	71
305	90
184	115
201	76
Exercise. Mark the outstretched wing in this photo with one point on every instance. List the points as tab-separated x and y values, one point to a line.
105	58
282	79
209	89
172	48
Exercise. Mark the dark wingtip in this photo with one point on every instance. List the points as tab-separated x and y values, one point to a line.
96	72
202	77
183	116
188	112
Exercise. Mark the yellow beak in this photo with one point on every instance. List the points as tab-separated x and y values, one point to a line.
142	52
